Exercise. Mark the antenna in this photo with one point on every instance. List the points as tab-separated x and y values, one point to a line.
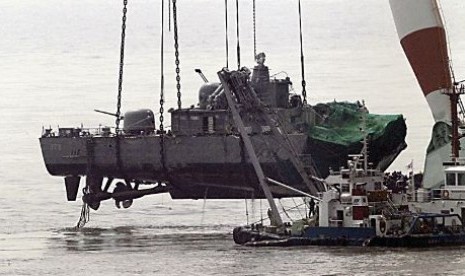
198	71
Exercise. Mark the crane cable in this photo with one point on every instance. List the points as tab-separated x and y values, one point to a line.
121	66
237	34
226	31
302	63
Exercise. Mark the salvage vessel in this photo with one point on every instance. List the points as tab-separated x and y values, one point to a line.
357	210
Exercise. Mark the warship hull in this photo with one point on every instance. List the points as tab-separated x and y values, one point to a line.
203	155
195	166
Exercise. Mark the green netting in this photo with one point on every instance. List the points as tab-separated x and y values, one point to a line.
343	121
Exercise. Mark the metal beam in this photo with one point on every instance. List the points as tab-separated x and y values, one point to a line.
292	189
250	150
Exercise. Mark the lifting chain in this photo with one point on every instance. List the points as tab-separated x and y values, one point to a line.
162	78
121	66
176	53
302	63
254	32
162	88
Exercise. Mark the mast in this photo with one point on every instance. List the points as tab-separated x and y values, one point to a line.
454	95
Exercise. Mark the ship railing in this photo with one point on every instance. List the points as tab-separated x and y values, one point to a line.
390	209
336	222
79	132
423	195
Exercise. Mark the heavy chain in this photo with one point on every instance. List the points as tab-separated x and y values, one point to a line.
304	93
176	53
121	66
162	88
302	62
254	32
162	77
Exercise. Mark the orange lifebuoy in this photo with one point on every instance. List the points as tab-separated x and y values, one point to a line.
445	194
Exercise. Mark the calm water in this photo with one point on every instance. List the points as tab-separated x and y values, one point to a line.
59	61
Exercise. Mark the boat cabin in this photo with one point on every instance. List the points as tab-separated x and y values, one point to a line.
454	187
196	121
211	116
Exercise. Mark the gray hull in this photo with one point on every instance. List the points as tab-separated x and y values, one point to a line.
205	166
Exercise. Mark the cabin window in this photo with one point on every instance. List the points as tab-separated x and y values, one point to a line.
345	188
450	179
461	179
208	124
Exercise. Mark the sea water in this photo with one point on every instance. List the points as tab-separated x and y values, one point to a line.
59	61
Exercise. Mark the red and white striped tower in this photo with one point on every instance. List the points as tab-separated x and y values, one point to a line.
423	38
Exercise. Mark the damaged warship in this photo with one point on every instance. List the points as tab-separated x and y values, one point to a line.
203	156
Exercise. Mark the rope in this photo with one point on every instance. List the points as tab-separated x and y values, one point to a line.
246	211
121	66
237	34
302	63
226	31
85	211
176	53
284	210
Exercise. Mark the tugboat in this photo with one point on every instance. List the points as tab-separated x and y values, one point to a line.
356	211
